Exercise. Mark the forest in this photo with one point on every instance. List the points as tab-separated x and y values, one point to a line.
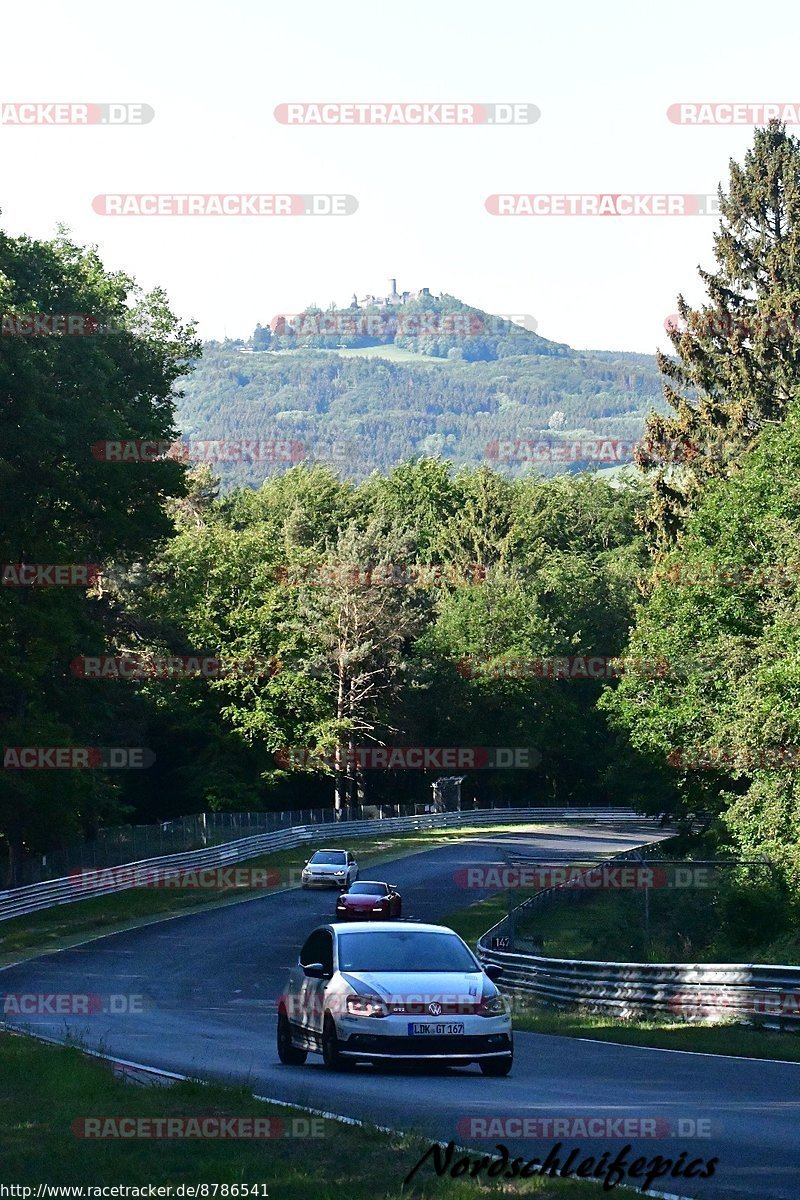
340	606
364	414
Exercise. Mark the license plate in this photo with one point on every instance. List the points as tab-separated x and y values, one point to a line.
434	1028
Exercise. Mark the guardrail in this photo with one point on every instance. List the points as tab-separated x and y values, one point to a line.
768	995
54	892
116	845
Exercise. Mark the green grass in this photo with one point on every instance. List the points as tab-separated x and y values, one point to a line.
608	927
665	1033
714	924
56	928
725	1038
55	1086
395	354
472	922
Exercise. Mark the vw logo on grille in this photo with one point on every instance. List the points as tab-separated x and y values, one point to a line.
435	1009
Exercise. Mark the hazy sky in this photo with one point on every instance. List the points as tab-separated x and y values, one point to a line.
603	76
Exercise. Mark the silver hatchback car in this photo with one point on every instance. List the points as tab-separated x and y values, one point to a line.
389	990
330	868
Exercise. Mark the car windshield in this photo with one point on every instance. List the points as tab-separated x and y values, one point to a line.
368	889
404	950
329	858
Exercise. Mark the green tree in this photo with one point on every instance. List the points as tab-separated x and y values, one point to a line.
59	396
724	615
738	355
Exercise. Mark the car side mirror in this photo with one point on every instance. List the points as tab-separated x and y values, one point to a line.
315	971
494	972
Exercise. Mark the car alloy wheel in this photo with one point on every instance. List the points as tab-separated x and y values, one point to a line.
289	1055
330	1047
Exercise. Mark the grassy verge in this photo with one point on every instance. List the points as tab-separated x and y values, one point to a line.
54	1087
608	926
720	923
473	921
665	1033
56	928
725	1038
697	911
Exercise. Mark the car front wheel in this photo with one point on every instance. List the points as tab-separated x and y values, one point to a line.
330	1047
496	1066
289	1055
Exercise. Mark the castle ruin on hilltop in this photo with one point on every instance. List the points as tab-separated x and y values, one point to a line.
392	297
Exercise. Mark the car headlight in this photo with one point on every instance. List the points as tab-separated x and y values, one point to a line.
366	1006
493	1006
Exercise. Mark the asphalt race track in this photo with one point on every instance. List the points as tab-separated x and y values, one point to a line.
210	981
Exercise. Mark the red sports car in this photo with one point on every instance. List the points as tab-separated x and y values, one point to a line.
366	901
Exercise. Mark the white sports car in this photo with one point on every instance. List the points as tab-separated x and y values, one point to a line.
385	990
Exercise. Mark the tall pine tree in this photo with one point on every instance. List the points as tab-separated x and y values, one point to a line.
738	356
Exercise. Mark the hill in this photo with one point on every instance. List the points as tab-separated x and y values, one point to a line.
364	400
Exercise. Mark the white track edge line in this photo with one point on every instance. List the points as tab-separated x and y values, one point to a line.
316	1112
783	1062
